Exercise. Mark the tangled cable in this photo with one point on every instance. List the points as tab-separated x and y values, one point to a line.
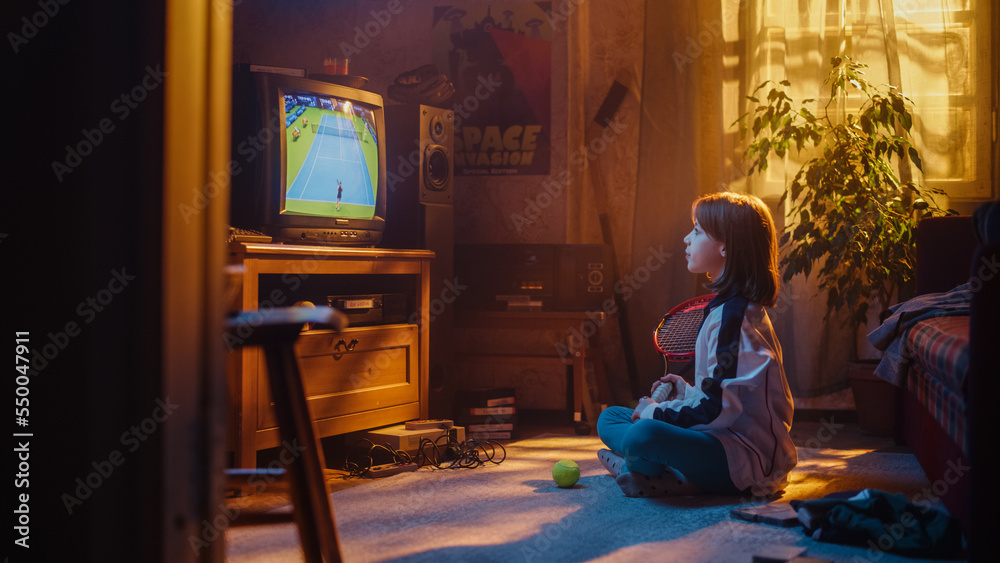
442	453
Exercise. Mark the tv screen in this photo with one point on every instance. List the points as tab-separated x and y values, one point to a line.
332	157
321	178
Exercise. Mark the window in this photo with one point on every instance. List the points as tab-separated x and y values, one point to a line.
936	51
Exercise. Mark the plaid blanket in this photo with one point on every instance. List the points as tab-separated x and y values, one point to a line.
926	344
891	335
940	351
940	346
946	406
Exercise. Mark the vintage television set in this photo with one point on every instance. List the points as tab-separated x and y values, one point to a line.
308	160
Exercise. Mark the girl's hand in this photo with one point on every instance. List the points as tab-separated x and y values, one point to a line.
643	403
679	386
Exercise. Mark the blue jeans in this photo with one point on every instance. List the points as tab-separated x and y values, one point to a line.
649	446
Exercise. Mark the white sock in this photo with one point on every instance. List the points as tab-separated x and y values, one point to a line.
611	461
670	482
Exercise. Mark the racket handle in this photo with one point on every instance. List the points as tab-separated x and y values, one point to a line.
661	393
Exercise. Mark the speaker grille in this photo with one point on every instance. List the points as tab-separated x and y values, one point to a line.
437	168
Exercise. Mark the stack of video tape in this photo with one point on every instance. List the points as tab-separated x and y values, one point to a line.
487	413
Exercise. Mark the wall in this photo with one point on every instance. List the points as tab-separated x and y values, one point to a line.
683	153
593	42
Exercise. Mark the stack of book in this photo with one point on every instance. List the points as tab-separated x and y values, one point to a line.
487	413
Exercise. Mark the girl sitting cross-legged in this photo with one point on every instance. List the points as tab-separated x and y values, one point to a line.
728	433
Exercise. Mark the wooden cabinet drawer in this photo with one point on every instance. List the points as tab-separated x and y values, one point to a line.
353	371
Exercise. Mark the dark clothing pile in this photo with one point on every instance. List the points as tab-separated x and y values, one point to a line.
882	522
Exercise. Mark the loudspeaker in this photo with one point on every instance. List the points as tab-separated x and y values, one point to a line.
420	214
551	277
419	168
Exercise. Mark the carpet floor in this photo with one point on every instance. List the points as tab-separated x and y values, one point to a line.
512	511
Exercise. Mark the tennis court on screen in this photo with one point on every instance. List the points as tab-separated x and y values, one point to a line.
327	148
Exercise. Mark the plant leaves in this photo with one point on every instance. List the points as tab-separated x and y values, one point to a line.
851	219
802	229
866	125
898	105
916	159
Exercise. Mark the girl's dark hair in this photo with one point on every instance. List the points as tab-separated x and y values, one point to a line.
744	225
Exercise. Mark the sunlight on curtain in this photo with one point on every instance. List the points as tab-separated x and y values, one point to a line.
935	51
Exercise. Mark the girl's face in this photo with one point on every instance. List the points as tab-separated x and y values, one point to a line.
704	254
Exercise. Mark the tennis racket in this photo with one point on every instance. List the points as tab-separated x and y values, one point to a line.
677	332
676	335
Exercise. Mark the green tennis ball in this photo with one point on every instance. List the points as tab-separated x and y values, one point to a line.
566	473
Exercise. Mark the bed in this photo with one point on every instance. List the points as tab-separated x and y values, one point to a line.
945	378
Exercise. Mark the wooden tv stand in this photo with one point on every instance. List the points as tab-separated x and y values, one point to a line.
360	378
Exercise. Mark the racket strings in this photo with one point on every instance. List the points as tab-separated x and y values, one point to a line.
678	334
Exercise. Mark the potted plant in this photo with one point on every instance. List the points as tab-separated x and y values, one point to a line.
852	208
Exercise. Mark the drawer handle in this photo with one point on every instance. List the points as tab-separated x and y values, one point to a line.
349	346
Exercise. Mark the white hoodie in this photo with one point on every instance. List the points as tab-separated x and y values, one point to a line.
739	395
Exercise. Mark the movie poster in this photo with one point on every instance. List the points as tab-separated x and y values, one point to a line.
499	57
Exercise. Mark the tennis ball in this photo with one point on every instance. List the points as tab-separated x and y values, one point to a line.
566	473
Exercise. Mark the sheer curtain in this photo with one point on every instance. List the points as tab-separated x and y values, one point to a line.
680	157
936	52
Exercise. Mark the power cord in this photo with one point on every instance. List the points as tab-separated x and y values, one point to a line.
443	453
457	455
362	466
